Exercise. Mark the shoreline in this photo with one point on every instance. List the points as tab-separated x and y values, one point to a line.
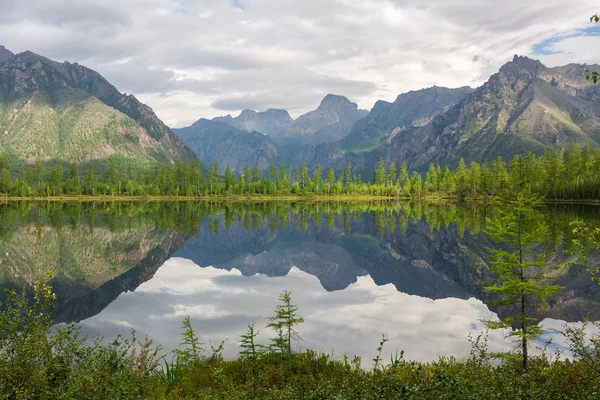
285	198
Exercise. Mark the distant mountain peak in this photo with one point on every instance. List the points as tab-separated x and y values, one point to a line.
277	112
532	65
247	112
265	122
5	54
336	101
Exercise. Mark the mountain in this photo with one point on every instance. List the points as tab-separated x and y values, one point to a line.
5	54
330	122
267	122
378	127
62	110
218	141
411	109
524	107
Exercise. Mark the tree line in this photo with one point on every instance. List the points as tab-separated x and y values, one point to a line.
566	175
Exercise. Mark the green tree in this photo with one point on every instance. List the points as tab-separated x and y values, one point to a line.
304	179
391	175
329	179
73	184
403	175
318	178
284	323
90	181
273	176
250	349
416	185
56	178
519	269
229	179
380	173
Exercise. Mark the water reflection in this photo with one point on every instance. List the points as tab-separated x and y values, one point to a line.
221	303
412	271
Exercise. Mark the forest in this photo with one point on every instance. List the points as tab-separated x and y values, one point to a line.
570	175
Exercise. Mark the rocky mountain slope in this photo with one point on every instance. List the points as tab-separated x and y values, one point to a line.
330	122
411	109
526	106
267	122
5	54
218	141
61	110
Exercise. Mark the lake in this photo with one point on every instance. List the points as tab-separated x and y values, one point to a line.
412	272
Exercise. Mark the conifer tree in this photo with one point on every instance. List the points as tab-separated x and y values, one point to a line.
330	179
519	269
317	178
250	349
283	322
403	175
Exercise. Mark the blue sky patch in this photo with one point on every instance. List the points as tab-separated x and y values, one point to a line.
179	8
239	4
544	47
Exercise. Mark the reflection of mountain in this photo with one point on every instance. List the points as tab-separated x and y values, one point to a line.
433	264
88	269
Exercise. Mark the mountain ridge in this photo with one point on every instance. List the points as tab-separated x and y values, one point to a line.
218	141
525	106
64	110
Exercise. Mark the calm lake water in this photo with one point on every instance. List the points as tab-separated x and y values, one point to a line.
413	272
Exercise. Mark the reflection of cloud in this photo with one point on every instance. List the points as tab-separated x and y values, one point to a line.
221	303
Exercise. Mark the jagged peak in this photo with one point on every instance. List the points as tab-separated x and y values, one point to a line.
276	111
433	89
5	54
247	112
530	64
333	100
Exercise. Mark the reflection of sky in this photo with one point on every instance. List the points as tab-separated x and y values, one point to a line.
221	303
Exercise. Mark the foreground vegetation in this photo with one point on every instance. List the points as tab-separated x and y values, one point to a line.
570	175
43	363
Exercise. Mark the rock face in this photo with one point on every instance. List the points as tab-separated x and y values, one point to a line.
61	110
524	107
267	122
330	122
218	141
412	109
5	54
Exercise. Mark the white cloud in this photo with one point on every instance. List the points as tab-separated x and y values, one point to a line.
192	59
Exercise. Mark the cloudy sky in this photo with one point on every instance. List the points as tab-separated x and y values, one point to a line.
202	58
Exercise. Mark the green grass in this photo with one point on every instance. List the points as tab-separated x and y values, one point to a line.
38	363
